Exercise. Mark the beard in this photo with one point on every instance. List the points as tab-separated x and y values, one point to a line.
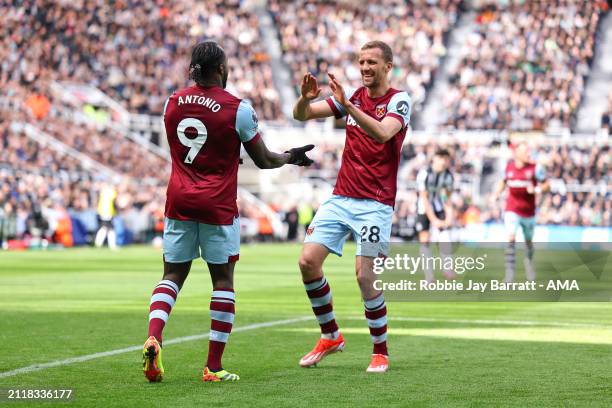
373	81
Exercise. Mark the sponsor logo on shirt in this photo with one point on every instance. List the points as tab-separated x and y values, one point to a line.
403	108
519	183
350	121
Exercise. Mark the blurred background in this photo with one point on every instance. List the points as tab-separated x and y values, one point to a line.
83	155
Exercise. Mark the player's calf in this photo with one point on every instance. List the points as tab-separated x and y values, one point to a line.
222	311
376	316
162	301
425	251
530	273
510	259
319	294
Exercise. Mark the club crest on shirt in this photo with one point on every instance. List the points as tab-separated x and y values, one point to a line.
309	230
381	110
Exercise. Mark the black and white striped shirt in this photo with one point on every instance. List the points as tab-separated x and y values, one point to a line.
438	187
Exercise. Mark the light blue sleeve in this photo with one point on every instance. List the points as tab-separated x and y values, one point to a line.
341	112
400	105
540	173
246	122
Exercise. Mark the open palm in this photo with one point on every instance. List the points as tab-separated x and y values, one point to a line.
310	88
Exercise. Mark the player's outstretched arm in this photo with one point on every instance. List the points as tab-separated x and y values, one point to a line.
265	159
381	131
248	131
304	108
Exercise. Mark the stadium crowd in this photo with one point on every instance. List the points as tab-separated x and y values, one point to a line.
40	189
101	143
135	51
317	36
524	65
45	195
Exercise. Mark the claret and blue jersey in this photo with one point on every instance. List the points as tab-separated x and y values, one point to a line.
205	127
364	195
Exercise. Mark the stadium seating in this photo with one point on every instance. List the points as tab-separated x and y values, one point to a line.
524	65
137	52
320	35
39	184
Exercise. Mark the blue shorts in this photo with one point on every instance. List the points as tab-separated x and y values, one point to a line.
512	221
185	241
368	220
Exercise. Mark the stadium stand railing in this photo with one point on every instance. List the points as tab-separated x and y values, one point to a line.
45	139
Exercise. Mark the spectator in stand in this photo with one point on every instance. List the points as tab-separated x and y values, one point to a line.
523	67
291	218
40	187
317	36
136	51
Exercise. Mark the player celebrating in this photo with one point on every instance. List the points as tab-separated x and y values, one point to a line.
364	195
435	186
524	180
205	126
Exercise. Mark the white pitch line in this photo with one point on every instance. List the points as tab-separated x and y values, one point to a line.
80	359
500	322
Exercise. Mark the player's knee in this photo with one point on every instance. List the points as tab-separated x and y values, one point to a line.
308	265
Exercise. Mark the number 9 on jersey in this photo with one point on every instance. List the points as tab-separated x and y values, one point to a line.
197	142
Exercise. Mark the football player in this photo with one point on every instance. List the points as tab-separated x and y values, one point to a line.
435	186
205	126
377	118
523	179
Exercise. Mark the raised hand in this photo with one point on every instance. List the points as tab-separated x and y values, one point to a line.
337	90
310	88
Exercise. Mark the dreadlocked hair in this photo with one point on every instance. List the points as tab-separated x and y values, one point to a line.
206	58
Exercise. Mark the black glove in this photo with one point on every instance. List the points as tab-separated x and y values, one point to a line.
298	155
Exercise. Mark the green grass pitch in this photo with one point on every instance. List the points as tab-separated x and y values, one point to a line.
60	304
